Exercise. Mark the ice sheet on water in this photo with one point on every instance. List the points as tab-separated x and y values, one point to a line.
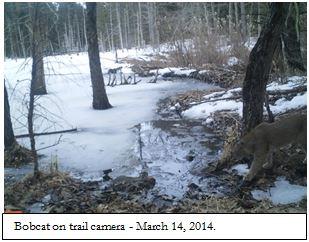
104	137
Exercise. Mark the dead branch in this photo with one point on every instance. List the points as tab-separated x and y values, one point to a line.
47	133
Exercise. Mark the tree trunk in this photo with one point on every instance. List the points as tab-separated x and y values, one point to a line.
150	12
119	25
9	138
236	16
291	40
111	26
39	77
259	18
100	100
206	16
230	18
34	76
259	66
85	32
213	16
141	24
243	21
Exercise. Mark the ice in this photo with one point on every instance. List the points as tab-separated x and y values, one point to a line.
104	137
282	193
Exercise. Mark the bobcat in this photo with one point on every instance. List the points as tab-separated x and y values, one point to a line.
267	137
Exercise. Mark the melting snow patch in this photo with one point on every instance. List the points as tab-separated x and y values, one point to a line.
205	109
282	193
242	169
283	105
232	61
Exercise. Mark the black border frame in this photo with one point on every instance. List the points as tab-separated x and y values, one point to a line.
163	239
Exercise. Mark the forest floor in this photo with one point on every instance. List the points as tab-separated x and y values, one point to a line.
169	166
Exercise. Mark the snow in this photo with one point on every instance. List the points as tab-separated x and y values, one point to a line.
205	109
232	61
283	192
251	42
175	70
202	111
241	169
283	104
293	82
104	137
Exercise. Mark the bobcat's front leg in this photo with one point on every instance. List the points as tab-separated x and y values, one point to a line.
257	164
269	160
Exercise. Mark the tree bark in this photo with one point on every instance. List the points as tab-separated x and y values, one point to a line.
9	138
291	40
34	73
39	77
259	66
230	18
243	21
236	15
100	100
119	25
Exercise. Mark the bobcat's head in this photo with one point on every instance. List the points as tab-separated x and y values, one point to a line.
244	147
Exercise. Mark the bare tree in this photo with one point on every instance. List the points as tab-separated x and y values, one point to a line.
39	77
119	25
230	18
36	59
100	100
259	66
243	21
9	138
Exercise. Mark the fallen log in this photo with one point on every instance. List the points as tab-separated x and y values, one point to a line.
47	133
272	93
288	91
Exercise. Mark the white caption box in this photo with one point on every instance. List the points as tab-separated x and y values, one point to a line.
154	226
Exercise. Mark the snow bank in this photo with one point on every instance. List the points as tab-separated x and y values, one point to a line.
205	109
202	111
283	104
